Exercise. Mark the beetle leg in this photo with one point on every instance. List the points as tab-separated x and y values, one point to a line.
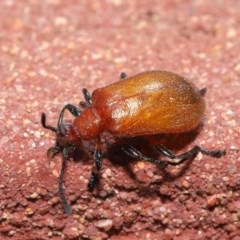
87	96
134	153
60	183
54	150
97	156
92	180
123	75
203	92
165	151
189	154
75	111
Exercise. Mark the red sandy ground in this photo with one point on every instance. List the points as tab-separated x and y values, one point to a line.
49	51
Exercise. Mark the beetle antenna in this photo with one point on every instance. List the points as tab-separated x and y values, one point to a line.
43	121
60	184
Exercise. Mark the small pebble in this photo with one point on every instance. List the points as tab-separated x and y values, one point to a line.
164	190
105	224
212	201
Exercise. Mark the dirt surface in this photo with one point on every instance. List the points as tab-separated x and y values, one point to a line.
49	51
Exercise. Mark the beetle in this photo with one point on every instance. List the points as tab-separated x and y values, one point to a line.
148	103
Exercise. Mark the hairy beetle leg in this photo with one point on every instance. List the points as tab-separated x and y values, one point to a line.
134	153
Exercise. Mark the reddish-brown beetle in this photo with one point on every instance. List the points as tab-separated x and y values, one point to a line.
148	103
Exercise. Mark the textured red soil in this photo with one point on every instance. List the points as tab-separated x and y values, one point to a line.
49	51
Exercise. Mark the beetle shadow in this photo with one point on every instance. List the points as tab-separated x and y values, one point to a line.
114	153
174	142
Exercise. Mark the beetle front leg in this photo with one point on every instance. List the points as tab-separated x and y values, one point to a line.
97	156
92	180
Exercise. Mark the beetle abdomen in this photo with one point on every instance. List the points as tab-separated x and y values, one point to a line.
149	103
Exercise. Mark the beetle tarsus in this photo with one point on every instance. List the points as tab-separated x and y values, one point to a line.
203	92
123	75
92	180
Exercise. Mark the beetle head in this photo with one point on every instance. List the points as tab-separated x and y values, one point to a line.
67	140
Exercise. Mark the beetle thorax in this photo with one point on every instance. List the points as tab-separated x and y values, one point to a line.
87	125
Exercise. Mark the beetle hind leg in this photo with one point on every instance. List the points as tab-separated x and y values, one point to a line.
134	153
189	154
